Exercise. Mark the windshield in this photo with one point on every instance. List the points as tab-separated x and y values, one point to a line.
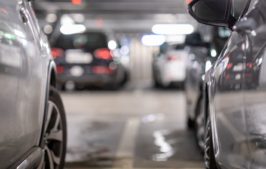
87	41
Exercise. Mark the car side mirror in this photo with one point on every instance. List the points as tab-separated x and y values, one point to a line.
212	12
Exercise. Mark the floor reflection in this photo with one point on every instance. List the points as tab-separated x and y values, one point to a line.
129	129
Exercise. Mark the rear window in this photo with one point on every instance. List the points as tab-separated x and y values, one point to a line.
88	41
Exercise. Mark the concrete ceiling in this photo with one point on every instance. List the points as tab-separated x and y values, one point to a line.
120	15
115	6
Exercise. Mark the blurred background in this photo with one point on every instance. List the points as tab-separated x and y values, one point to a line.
129	72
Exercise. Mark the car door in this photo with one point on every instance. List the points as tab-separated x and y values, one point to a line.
255	82
15	44
35	82
227	105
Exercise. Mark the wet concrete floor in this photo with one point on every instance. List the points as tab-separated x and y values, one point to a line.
132	128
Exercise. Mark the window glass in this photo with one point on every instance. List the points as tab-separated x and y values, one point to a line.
87	41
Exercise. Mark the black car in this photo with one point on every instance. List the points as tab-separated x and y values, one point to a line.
198	54
235	87
84	59
202	56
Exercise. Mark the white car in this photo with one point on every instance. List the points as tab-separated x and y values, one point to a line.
169	66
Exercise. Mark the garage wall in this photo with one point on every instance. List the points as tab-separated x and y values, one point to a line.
141	62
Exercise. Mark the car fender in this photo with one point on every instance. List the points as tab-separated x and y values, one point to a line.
51	81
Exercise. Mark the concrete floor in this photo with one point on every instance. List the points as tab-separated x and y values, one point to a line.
132	128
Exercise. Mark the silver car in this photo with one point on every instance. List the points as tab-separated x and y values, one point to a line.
32	123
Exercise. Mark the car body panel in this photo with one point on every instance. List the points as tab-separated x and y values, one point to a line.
172	70
255	86
24	64
170	67
237	95
195	70
227	104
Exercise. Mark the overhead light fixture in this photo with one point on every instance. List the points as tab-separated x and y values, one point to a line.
153	40
173	29
69	29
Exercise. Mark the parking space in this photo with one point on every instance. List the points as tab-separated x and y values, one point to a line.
132	128
132	84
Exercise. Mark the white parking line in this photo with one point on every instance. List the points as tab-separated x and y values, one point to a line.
126	147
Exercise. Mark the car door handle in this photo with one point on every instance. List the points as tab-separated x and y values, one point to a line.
23	15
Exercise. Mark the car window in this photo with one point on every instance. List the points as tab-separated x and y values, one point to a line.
88	41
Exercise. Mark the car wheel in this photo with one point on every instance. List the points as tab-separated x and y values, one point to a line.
125	79
156	84
190	121
55	133
209	157
200	124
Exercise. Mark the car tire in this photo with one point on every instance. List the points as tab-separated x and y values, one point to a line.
55	133
125	79
209	158
190	123
111	86
200	124
156	84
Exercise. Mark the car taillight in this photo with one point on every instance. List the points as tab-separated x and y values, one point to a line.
104	54
249	65
60	69
188	2
171	58
57	52
229	66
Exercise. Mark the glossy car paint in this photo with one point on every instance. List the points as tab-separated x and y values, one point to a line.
236	89
195	70
200	59
24	66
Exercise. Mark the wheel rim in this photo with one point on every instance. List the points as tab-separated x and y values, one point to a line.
53	138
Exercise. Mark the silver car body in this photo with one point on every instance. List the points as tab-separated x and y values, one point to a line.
25	65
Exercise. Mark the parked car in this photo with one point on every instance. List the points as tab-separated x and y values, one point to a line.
201	58
235	115
33	124
198	53
169	66
84	59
